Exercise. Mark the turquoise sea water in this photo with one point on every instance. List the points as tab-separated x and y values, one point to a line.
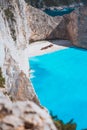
60	81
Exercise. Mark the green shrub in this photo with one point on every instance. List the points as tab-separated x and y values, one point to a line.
9	14
60	125
2	80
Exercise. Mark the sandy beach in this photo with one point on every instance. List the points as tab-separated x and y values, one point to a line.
43	47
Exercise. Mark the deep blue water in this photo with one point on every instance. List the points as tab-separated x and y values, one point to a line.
57	12
60	81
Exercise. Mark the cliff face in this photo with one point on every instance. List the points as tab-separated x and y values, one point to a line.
77	27
14	39
46	27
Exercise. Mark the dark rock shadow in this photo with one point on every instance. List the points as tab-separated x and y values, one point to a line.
60	32
65	43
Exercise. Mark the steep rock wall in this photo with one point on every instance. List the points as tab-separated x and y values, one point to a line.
77	27
14	39
46	27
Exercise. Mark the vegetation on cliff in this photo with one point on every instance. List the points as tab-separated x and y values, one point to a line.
9	14
10	17
60	125
68	126
2	80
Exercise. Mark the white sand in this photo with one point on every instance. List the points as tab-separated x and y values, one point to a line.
35	48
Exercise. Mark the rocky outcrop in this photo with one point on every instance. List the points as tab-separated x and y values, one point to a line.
67	27
77	27
23	116
17	82
44	26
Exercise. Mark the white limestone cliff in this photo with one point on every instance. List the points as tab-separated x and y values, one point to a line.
14	40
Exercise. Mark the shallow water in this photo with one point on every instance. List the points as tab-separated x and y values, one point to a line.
60	81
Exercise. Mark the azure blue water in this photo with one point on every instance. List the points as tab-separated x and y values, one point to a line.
60	81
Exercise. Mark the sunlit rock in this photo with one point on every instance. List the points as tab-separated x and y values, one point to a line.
23	116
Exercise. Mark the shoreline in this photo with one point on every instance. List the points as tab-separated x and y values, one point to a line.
44	47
